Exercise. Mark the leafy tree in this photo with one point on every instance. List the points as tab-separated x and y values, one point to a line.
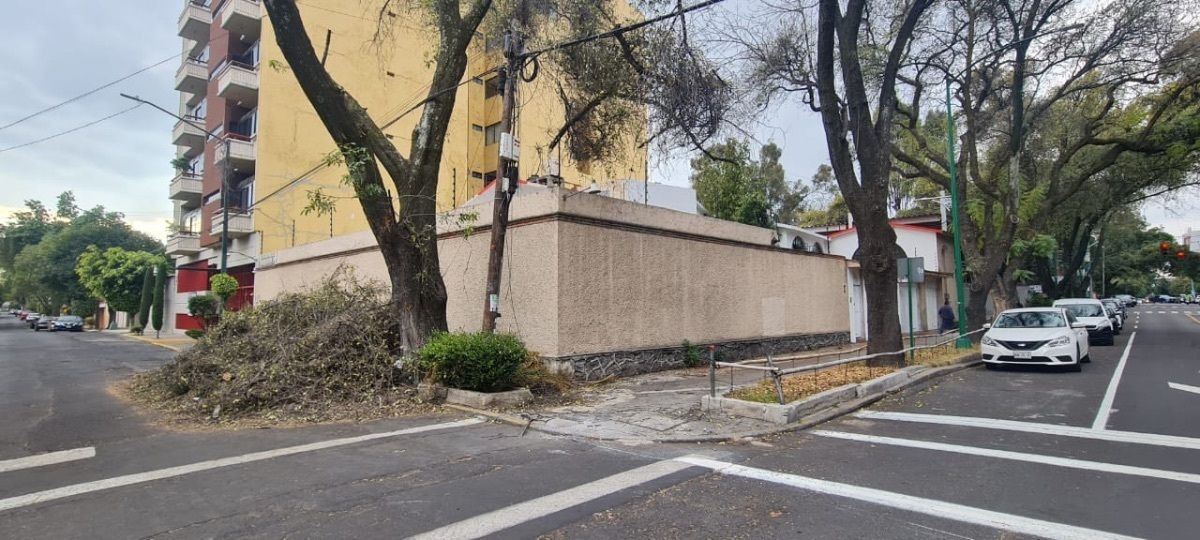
66	209
223	286
828	207
733	187
147	297
115	275
204	307
160	293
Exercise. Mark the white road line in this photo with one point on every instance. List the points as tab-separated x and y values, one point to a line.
1017	456
49	458
1177	386
1130	437
511	516
929	507
1106	404
138	478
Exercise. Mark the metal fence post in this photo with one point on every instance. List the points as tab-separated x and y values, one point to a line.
712	371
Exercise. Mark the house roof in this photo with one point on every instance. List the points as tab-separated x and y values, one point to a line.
895	225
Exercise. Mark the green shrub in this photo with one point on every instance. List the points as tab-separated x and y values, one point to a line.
691	354
136	329
203	307
194	334
480	361
223	286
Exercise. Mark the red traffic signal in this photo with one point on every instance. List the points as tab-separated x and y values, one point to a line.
1181	254
1164	247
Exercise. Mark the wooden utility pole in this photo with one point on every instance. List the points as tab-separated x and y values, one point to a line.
505	184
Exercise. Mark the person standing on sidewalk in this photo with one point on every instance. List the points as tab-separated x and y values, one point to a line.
946	317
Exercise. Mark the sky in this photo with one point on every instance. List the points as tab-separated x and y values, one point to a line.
56	49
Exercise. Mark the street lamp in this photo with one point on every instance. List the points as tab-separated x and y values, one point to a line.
225	174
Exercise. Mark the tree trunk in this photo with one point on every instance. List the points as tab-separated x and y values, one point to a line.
877	255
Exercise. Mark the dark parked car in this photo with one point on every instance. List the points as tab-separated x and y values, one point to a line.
67	323
44	322
31	319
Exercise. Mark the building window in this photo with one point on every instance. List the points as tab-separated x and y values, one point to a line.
491	88
817	248
196	165
798	243
491	135
488	177
189	222
476	127
477	175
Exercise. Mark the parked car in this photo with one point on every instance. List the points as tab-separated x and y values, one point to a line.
22	314
68	323
1091	313
31	319
43	323
1127	299
1116	314
1036	336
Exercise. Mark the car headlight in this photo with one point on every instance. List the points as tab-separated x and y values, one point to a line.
989	342
1059	341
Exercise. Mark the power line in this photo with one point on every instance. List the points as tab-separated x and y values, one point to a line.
89	92
69	131
622	29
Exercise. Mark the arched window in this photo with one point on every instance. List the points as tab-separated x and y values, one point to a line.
798	243
816	248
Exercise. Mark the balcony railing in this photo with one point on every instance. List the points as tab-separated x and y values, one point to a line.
238	82
183	243
241	149
186	187
240	17
192	76
194	21
240	223
186	133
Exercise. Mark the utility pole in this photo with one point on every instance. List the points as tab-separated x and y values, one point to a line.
507	172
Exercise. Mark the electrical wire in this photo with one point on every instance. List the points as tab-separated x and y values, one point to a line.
90	92
69	131
622	29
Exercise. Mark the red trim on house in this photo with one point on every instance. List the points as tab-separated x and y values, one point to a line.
192	277
183	321
919	228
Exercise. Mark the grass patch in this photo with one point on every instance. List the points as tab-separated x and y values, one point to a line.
942	356
806	384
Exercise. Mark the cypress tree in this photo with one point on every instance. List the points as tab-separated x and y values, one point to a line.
160	293
143	314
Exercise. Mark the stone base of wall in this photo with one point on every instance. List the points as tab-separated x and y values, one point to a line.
591	367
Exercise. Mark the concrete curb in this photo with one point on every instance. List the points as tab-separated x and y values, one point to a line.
149	342
917	382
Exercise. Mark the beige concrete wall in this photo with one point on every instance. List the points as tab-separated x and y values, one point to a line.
575	282
622	290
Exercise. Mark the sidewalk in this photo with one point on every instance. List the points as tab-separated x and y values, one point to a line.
173	342
662	407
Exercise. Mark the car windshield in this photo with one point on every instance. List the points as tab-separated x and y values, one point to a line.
1030	319
70	318
1084	310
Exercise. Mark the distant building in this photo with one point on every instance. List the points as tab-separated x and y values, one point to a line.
1191	239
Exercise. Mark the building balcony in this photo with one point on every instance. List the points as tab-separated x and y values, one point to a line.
242	152
241	17
183	243
186	187
238	83
240	223
192	77
187	134
195	20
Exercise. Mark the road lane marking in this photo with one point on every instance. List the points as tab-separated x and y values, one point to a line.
1101	422
909	503
511	516
1016	456
1131	437
170	472
49	458
1184	387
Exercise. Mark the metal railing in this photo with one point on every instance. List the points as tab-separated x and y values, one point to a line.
776	372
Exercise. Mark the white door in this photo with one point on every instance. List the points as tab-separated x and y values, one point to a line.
858	323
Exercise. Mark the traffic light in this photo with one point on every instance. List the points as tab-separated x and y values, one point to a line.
1164	248
1181	255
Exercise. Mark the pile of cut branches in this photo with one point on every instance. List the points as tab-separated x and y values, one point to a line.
302	355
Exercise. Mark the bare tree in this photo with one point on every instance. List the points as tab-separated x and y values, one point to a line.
406	231
849	75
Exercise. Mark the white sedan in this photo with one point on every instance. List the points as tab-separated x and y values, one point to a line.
1036	336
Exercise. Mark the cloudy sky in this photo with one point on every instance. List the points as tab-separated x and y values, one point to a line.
57	49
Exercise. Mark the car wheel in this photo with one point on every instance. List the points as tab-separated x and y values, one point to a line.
1075	368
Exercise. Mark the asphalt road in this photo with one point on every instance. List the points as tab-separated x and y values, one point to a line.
981	454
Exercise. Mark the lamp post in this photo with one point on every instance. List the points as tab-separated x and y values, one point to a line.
963	341
225	174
